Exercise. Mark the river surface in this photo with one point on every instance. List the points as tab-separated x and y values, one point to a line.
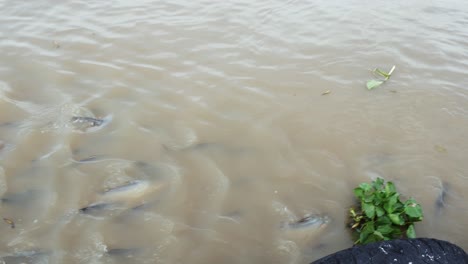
219	123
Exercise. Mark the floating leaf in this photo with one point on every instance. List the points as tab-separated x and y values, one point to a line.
379	73
382	73
391	71
10	222
56	44
373	84
440	149
326	92
382	215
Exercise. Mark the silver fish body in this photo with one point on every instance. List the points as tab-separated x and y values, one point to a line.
305	232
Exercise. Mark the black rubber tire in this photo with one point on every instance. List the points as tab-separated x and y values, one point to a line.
407	251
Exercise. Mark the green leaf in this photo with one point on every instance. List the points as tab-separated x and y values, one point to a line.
379	198
369	198
379	211
384	220
378	234
396	219
390	189
391	205
366	231
397	233
391	71
382	215
382	73
440	149
388	206
365	187
373	84
372	238
369	209
413	210
359	193
411	233
378	183
398	208
352	213
385	229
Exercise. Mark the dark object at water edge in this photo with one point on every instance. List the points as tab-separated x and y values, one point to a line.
415	251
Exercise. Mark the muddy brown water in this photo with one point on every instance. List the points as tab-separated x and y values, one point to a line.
215	133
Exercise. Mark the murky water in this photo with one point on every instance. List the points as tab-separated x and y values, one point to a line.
214	131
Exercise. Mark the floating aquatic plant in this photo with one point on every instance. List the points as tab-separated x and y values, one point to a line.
381	215
379	74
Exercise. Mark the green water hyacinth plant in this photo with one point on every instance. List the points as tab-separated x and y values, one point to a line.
381	215
380	74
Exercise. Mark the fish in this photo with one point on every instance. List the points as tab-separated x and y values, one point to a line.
22	198
94	158
84	123
123	197
306	230
96	208
26	257
132	189
9	124
309	221
123	252
441	201
90	121
217	148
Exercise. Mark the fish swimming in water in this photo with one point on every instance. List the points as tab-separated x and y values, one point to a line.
309	221
96	208
89	121
90	159
23	197
217	148
306	230
26	257
123	197
441	201
84	123
132	188
124	252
